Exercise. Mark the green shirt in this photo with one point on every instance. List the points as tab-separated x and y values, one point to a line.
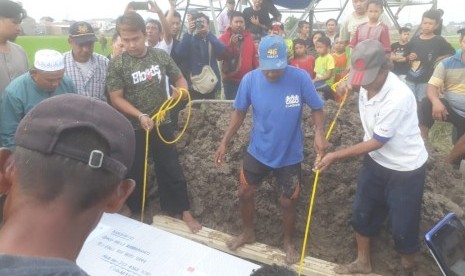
20	96
322	65
142	79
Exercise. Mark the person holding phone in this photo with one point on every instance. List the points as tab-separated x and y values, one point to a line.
199	47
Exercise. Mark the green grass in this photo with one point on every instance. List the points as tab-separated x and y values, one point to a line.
440	137
453	40
32	44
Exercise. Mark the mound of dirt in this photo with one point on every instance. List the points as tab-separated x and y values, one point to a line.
213	192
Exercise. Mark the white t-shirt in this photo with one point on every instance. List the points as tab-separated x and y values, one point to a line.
84	67
163	45
391	117
223	21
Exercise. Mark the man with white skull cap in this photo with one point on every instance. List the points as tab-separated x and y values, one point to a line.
46	79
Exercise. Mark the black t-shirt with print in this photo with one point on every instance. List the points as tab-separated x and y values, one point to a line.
427	51
400	68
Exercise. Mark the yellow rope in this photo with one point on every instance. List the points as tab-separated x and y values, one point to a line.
336	84
158	118
315	183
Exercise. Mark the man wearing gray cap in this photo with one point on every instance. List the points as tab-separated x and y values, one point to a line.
69	166
391	180
87	70
46	79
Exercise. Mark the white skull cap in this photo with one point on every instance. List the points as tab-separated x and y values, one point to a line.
49	60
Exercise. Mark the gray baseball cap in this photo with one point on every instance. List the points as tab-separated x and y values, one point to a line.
366	60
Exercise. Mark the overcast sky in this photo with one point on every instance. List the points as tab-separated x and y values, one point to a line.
89	9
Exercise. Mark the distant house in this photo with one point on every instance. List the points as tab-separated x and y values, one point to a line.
29	26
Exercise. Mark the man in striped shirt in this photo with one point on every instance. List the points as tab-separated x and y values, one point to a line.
449	75
88	70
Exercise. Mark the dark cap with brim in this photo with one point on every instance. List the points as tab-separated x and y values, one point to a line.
82	32
366	60
42	127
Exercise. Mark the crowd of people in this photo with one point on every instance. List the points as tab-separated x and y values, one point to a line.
73	125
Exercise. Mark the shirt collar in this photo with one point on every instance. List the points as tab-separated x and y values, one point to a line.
387	86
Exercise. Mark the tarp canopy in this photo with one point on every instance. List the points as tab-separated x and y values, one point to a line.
293	4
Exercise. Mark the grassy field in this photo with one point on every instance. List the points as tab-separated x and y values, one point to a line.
60	43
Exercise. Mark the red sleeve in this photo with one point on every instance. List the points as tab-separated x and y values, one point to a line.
384	39
225	38
311	62
354	39
255	60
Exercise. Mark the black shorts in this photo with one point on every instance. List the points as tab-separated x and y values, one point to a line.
384	193
288	177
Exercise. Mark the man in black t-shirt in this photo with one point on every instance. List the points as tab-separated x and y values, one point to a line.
257	19
401	64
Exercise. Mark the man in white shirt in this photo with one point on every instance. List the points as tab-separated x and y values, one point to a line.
223	18
159	32
391	181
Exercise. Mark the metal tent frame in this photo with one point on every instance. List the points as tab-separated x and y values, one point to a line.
214	7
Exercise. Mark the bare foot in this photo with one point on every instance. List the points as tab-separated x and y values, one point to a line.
354	267
291	254
191	222
244	238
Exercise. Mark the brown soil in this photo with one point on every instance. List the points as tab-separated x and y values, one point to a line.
214	199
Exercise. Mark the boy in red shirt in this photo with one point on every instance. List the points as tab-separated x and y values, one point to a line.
301	59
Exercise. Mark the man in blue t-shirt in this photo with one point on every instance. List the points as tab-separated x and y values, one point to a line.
276	93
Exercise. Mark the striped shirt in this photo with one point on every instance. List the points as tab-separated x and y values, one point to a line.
91	84
450	73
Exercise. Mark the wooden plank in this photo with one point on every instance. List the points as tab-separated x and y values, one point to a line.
257	251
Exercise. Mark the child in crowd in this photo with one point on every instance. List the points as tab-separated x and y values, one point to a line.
331	26
301	59
374	28
424	51
315	36
324	67
304	33
401	64
340	58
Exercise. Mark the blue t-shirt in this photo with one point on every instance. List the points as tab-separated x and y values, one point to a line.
276	137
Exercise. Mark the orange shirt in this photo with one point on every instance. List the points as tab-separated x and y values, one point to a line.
340	65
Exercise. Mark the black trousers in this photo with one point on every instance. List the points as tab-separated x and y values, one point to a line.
172	187
426	116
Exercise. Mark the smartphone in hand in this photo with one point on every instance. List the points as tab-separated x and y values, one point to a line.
140	5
